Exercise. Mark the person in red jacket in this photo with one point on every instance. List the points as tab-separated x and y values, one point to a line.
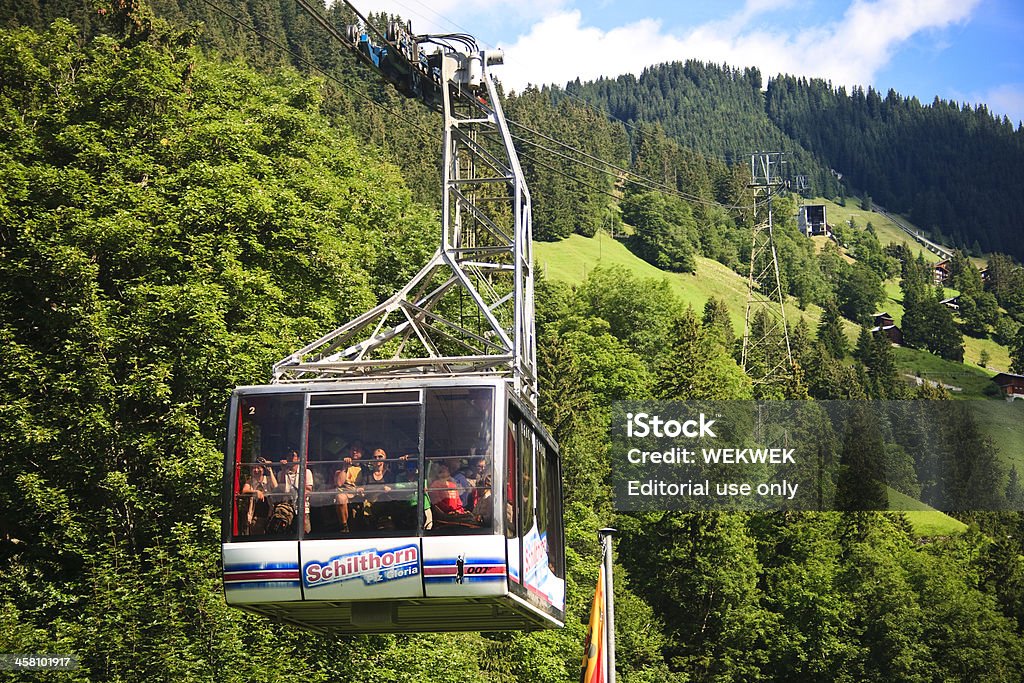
445	500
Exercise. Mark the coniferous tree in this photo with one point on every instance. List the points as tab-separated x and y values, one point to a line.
1017	353
119	246
830	331
861	480
718	321
697	366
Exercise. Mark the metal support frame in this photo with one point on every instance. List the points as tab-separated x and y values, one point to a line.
764	286
469	310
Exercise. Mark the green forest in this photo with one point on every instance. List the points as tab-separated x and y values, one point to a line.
184	202
952	169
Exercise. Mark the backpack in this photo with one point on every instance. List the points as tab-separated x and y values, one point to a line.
282	518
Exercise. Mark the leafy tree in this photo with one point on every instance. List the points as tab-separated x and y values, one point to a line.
802	558
859	292
171	225
665	230
638	311
1005	330
717	320
701	570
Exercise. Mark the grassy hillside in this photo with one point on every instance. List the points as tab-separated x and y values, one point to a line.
571	259
1003	422
973	381
999	355
886	230
925	520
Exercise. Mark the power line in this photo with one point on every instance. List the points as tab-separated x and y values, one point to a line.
597	110
632	126
646	182
560	172
636	178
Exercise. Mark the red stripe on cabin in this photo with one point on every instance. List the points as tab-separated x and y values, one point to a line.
238	462
468	570
271	575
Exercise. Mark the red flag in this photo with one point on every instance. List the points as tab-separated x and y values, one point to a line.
592	670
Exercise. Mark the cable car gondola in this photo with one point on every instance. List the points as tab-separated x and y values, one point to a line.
407	560
394	476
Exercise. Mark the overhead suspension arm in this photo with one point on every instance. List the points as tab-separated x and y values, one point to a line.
470	309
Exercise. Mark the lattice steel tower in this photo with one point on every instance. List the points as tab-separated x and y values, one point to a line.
766	355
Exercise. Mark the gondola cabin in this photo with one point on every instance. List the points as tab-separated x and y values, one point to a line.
393	505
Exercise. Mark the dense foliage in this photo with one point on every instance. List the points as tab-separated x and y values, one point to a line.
953	169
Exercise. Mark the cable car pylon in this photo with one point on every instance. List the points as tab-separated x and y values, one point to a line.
766	354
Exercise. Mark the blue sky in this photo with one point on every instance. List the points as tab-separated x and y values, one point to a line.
963	50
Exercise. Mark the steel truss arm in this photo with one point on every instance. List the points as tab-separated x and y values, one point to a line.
469	310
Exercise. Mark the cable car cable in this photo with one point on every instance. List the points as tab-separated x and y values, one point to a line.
652	184
607	114
470	42
632	176
575	179
433	136
646	182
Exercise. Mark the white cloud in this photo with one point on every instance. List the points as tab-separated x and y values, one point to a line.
450	16
850	51
1006	100
560	48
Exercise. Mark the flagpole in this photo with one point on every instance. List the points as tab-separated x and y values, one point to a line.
605	537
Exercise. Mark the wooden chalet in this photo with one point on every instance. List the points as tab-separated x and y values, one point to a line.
892	332
882	319
942	271
884	324
952	303
1011	386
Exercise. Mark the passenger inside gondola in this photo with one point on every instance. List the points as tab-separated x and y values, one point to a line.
484	508
256	499
288	495
349	480
445	502
467	479
378	486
